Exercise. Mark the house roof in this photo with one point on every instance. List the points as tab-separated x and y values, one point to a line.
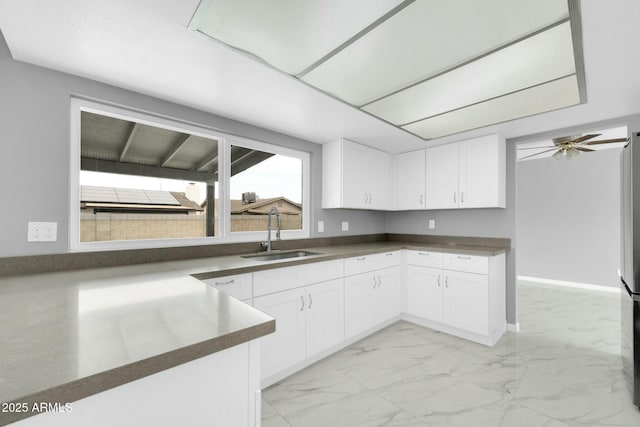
124	199
262	206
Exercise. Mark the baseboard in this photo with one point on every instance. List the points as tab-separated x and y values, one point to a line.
513	327
570	284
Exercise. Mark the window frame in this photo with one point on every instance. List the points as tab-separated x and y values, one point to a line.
226	140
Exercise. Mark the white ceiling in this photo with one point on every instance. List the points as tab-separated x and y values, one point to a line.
144	45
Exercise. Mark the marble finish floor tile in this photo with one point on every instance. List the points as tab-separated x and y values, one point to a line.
562	369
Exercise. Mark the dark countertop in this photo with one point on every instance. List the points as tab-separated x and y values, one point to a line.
68	335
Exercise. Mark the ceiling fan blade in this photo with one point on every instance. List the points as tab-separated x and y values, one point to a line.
582	149
537	154
606	141
585	137
537	148
557	154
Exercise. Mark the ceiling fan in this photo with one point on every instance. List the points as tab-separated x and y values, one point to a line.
571	146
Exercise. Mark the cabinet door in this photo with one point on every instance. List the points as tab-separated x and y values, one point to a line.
425	292
466	301
378	176
324	315
355	172
359	303
442	177
482	172
387	295
410	180
365	181
286	346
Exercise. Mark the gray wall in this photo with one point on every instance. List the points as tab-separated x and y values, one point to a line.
34	148
568	220
471	222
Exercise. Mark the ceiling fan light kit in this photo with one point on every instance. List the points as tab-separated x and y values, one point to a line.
571	146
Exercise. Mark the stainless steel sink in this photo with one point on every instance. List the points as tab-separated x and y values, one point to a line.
274	255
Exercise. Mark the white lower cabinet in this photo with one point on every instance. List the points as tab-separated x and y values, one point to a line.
286	346
309	320
459	294
373	297
425	293
466	301
324	316
320	307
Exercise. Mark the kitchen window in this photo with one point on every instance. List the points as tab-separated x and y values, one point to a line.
139	180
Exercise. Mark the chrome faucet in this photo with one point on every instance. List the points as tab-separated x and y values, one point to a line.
267	244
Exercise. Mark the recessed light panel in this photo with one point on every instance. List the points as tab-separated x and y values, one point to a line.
290	35
427	38
538	59
546	97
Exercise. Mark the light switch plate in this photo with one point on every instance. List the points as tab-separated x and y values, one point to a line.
432	224
345	225
320	226
42	232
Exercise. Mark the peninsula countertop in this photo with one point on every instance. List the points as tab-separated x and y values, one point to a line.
67	335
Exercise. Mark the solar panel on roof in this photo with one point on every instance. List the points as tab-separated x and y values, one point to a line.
90	193
161	198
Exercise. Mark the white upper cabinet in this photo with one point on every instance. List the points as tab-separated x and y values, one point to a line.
467	174
442	177
409	172
482	172
354	176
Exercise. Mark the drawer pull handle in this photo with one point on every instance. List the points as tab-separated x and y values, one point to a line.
375	282
228	282
438	280
361	259
446	281
302	300
310	301
424	253
390	253
464	257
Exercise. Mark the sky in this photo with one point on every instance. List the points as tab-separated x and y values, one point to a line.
277	176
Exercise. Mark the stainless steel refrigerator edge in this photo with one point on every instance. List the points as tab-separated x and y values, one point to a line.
630	269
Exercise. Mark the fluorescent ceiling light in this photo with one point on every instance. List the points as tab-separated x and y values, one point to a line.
546	97
290	35
433	68
427	38
538	59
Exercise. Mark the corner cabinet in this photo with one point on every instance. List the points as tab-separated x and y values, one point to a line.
467	174
354	176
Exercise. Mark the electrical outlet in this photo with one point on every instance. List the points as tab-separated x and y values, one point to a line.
42	232
432	224
320	226
345	225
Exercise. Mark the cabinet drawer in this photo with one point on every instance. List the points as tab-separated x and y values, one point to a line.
317	272
466	263
362	264
425	258
238	286
277	280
